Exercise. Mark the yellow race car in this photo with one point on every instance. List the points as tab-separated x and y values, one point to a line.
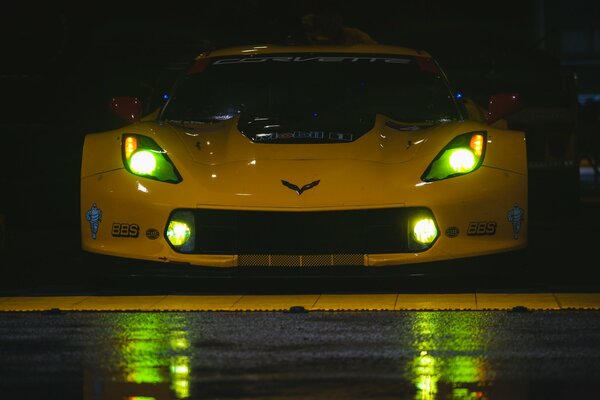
289	156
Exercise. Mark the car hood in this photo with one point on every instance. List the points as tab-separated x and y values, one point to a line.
221	167
222	143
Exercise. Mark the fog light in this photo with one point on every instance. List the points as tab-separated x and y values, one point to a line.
425	231
180	231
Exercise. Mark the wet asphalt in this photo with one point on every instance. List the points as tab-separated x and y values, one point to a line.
316	355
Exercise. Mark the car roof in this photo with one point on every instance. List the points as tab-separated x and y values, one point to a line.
271	49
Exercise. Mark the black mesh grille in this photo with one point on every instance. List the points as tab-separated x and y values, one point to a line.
258	233
311	260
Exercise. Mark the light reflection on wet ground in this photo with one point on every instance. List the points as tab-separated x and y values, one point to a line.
212	355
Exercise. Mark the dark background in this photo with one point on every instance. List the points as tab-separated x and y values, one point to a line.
63	61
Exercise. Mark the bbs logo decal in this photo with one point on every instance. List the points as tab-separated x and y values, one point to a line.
125	230
480	228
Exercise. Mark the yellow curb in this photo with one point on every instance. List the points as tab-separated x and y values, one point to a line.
464	301
355	302
507	301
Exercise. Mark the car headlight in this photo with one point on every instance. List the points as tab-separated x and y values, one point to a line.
464	154
143	157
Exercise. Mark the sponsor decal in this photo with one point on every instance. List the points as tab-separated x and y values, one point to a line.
481	228
452	231
516	215
344	137
125	230
94	217
152	234
301	59
298	189
267	136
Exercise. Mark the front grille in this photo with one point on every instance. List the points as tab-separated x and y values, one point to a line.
311	260
322	233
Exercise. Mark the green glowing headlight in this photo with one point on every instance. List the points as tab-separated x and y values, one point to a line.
178	233
425	231
464	154
462	160
142	162
143	157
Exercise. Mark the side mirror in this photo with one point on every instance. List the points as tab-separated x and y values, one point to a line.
501	105
128	109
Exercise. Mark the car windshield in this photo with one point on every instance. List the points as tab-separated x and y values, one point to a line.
312	93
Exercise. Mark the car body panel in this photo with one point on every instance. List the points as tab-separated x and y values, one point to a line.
222	169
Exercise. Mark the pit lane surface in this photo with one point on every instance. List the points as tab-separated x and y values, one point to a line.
300	355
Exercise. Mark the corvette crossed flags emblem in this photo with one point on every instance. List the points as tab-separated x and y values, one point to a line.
297	189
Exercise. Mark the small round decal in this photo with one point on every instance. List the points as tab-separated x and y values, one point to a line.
152	234
452	231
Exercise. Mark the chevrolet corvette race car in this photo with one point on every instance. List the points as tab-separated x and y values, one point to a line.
291	156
